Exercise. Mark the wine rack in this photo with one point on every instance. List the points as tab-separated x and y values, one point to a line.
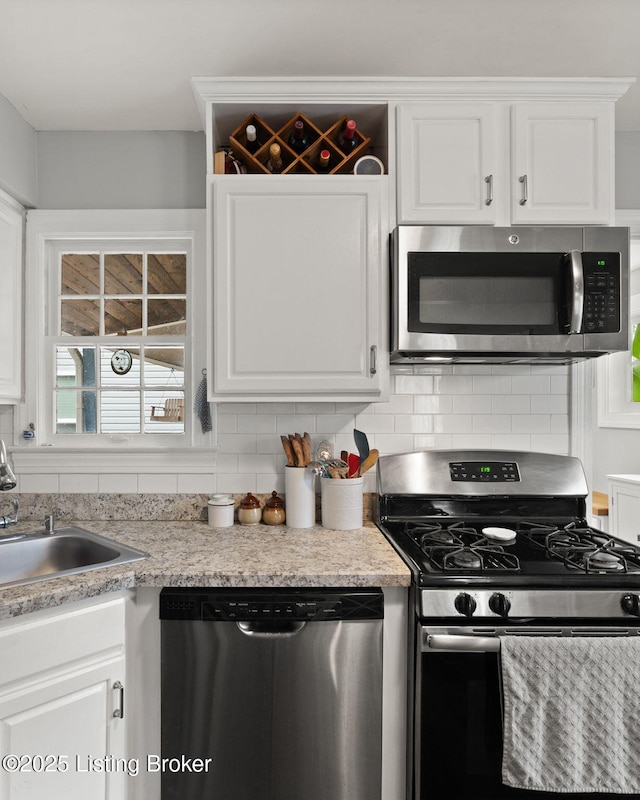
304	163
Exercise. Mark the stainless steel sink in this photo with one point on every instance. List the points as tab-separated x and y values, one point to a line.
36	556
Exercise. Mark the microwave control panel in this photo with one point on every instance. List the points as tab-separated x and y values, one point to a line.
601	292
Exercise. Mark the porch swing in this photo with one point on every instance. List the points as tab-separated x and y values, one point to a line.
172	408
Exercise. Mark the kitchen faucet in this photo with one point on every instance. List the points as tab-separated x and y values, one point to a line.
7	481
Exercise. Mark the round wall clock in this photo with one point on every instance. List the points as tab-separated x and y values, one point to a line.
121	362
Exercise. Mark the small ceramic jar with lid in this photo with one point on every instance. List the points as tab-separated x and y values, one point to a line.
249	512
273	513
221	509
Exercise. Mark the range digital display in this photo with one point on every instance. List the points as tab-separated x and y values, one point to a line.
484	471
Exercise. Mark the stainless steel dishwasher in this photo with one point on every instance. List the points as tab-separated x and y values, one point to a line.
278	692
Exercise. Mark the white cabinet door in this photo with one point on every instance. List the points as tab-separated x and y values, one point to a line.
11	232
297	288
62	677
448	166
63	730
624	509
562	163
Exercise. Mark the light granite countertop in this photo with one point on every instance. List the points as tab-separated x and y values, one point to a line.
195	554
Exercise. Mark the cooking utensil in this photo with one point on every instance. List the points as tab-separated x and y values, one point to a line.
369	461
354	465
324	451
317	468
362	443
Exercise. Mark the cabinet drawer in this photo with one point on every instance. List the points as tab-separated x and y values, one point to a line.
44	641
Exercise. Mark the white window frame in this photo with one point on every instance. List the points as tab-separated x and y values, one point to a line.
48	451
615	407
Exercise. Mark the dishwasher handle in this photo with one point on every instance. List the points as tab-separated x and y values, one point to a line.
267	628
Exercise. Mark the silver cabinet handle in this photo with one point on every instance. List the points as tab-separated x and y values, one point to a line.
489	181
373	360
119	712
525	189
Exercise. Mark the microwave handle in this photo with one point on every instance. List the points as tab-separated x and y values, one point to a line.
577	290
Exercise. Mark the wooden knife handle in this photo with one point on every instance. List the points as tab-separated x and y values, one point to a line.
296	443
288	451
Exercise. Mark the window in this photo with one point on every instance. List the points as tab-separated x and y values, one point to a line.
119	331
116	340
619	373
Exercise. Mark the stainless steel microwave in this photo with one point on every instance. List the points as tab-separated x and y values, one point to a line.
479	294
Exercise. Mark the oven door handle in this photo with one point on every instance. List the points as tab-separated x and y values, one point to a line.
460	644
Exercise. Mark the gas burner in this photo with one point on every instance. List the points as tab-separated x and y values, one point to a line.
482	557
594	559
434	538
602	559
465	559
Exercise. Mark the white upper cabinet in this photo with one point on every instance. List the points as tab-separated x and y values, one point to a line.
563	162
509	153
297	287
447	158
11	235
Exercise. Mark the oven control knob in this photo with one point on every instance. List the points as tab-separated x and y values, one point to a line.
465	604
631	604
499	604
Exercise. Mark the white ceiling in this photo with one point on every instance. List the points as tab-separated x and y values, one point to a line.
126	64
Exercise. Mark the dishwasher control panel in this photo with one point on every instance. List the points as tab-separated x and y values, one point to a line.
245	605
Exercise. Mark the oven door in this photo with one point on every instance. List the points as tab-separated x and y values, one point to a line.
458	712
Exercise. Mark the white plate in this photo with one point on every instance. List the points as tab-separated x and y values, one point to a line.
500	534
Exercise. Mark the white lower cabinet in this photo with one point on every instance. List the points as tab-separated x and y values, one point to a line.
62	715
298	305
624	507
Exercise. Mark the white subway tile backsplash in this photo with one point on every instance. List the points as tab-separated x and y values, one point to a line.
531	384
453	384
408	423
491	423
414	384
158	483
75	483
257	423
466	406
532	423
491	384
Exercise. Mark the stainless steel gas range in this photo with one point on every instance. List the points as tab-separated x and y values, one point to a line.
499	546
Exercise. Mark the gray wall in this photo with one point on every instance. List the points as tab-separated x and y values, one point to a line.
132	169
18	155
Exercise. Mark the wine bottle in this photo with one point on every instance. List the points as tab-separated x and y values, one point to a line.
274	164
298	140
324	164
347	138
252	139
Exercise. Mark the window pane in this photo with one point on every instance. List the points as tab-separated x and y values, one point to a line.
122	316
80	317
164	412
167	273
113	362
164	366
75	411
80	273
120	412
75	366
166	317
123	273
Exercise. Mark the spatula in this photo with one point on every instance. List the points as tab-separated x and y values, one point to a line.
362	443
